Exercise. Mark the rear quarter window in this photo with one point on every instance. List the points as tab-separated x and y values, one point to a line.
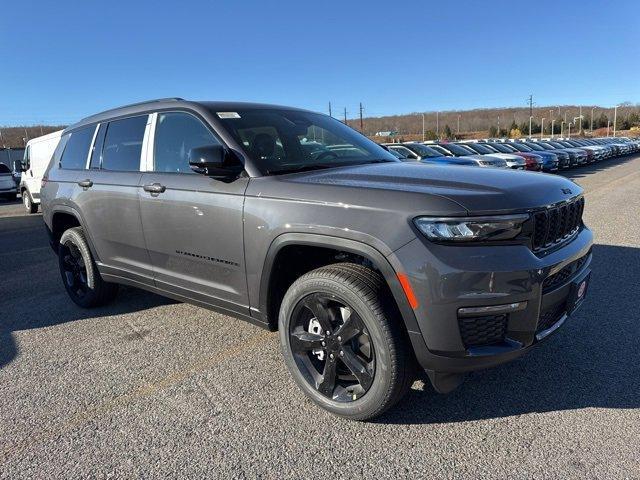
77	148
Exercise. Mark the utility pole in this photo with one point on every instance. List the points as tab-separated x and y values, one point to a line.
423	135
530	113
438	124
615	118
458	125
361	124
592	120
330	110
345	115
541	128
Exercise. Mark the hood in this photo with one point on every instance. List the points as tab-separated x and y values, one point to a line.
510	157
477	190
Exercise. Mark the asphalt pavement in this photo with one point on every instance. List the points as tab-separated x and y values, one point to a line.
147	387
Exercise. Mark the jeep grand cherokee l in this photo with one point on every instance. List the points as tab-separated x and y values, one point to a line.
367	266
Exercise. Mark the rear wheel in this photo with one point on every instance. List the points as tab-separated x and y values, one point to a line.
343	343
29	206
79	273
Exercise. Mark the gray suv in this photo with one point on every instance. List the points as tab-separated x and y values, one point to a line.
367	266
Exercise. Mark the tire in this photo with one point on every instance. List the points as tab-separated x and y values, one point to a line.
384	360
79	274
29	206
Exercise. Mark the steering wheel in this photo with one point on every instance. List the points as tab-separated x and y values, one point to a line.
326	154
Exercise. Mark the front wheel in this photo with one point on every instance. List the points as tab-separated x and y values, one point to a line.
29	206
343	341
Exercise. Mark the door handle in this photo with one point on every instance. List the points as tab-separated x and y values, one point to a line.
85	183
154	188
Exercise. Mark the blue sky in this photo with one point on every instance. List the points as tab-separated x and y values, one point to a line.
64	60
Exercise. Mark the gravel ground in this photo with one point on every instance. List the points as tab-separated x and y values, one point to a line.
147	387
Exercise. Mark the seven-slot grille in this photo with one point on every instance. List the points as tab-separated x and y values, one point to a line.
554	224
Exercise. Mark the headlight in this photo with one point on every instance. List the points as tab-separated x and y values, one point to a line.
503	227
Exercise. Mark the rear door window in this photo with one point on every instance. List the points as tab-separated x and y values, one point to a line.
77	148
123	144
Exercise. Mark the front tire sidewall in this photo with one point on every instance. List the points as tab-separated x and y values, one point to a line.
375	396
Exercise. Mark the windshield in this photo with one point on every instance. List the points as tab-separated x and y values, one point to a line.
519	147
284	141
442	151
457	150
546	146
423	150
501	148
480	148
534	146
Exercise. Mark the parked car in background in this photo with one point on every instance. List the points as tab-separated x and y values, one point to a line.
550	161
453	150
513	161
8	189
533	162
564	160
412	151
37	156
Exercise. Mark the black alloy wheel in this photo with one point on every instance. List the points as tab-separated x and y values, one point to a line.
332	347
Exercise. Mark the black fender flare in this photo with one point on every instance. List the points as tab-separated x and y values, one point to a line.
347	245
69	210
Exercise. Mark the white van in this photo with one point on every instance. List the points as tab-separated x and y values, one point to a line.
37	156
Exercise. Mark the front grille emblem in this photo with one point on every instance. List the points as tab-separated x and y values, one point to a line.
566	191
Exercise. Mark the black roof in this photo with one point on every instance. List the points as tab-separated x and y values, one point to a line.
175	102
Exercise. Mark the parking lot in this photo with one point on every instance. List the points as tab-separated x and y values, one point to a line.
153	388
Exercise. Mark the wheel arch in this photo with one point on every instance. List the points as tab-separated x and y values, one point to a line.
64	217
337	245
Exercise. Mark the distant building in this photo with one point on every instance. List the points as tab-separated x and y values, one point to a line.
390	133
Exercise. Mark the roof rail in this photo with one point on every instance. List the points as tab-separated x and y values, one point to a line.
104	112
168	99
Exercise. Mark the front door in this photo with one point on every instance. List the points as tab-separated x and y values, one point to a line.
192	223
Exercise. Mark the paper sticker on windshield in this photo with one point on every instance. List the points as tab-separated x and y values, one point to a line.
228	114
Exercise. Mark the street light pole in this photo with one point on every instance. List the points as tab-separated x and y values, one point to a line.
592	120
553	120
530	121
615	118
541	128
458	125
423	137
569	125
562	128
608	126
438	124
580	119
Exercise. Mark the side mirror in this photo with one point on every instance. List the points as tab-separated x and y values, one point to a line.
212	160
20	166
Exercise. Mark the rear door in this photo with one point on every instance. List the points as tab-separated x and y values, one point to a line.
108	198
192	223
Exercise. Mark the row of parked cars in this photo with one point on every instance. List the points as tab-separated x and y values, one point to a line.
546	155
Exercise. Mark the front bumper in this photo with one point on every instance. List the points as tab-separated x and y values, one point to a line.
448	278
